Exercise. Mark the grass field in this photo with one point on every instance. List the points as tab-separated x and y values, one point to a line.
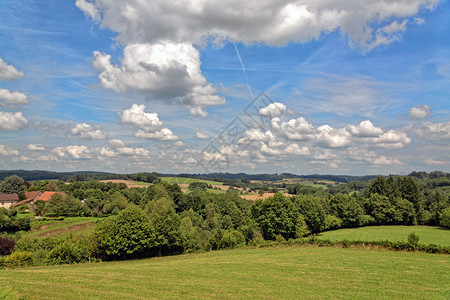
180	180
427	235
47	228
296	272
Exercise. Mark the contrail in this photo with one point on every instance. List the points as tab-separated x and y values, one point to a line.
243	69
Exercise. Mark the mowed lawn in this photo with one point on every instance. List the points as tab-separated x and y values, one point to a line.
294	272
427	235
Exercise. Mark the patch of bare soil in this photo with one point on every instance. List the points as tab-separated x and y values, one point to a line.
254	197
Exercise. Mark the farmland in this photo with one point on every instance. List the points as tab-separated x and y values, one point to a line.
278	272
427	235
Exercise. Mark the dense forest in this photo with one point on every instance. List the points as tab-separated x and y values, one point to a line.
161	219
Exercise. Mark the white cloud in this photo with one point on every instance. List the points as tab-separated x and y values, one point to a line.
273	110
439	132
202	136
390	139
384	160
137	117
36	147
88	132
8	72
365	129
74	151
333	138
297	150
165	71
8	151
270	22
295	129
419	112
164	134
431	161
116	143
89	9
13	97
12	121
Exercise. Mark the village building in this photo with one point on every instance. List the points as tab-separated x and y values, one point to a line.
7	200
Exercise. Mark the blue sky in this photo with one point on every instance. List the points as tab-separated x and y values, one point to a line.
330	87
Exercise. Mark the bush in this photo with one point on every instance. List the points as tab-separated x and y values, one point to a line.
6	246
332	222
445	218
413	239
19	259
232	239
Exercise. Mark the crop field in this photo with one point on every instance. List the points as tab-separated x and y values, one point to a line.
427	235
295	272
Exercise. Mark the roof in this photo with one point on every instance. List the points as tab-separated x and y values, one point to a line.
46	196
9	197
31	196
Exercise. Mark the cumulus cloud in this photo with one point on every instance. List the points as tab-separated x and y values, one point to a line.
149	125
439	132
164	134
273	110
89	9
36	147
365	129
8	151
12	121
73	151
13	97
88	132
165	71
297	150
419	112
202	136
8	72
270	22
137	117
295	129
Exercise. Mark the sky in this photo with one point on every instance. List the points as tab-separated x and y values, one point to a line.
308	87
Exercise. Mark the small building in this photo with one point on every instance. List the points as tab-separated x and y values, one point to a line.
6	200
46	196
30	198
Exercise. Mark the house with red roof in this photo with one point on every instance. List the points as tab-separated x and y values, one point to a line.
30	198
46	196
6	200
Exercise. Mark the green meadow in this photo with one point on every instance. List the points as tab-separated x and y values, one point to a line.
293	272
427	234
184	180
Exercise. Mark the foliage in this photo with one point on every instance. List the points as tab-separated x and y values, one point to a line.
128	234
413	239
63	205
313	212
6	245
445	218
278	215
12	185
19	259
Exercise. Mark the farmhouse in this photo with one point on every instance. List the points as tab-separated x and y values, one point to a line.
46	196
30	198
6	200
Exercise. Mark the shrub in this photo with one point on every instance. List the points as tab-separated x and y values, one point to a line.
413	239
445	218
6	246
19	259
231	239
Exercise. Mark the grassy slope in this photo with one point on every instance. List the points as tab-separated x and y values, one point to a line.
283	272
427	235
180	180
75	225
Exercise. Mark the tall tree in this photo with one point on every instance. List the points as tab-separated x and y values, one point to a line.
13	185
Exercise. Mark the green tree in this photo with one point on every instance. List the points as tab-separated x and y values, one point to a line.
128	234
312	211
445	218
63	205
13	185
278	215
